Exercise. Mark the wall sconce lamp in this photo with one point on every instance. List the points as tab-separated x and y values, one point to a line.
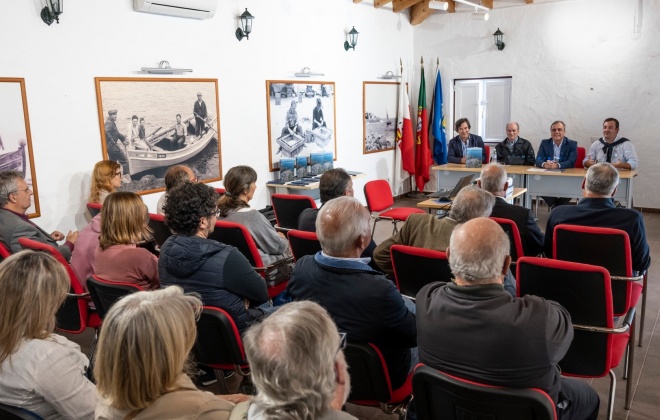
352	39
389	76
52	11
499	39
246	25
306	72
164	68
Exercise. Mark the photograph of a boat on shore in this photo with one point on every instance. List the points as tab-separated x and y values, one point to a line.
148	125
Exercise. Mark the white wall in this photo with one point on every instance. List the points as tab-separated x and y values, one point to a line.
107	39
575	61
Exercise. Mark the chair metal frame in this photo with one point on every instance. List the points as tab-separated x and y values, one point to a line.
378	194
290	207
303	243
416	267
598	345
441	395
625	294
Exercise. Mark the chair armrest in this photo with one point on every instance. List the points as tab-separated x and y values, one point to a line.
85	295
274	265
623	278
623	326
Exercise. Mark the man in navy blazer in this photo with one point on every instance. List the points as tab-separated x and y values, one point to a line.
457	147
557	152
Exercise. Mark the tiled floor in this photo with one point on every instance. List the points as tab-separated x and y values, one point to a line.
646	377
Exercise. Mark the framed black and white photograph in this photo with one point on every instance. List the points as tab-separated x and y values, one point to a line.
301	120
148	125
15	137
379	104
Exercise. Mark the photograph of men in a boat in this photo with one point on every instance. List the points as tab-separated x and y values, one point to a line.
148	125
301	119
380	107
15	139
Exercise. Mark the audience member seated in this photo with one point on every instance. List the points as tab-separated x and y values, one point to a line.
84	254
494	180
219	273
106	178
597	209
142	358
361	301
297	366
40	371
514	150
123	226
15	200
333	183
175	176
557	152
240	184
473	329
427	231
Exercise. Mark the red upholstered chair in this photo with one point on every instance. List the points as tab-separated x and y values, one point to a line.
487	151
105	293
439	395
415	267
219	345
370	380
581	153
4	251
239	236
586	292
220	191
609	248
379	199
160	230
94	208
303	243
288	207
74	316
515	241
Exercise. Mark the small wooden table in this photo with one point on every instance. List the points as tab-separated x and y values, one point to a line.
434	204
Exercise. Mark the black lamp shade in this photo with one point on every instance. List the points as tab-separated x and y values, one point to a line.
499	39
246	23
352	39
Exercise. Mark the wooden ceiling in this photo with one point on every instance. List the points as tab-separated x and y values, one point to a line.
420	10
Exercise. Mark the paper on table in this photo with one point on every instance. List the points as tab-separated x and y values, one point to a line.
536	170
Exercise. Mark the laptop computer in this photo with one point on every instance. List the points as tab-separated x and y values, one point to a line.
449	195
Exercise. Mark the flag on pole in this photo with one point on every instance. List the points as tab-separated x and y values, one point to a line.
422	150
404	158
438	123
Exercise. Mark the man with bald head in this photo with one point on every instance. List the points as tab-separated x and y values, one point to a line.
514	150
494	180
176	175
361	300
495	338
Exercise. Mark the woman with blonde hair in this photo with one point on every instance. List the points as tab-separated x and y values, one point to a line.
118	257
240	184
142	356
40	371
106	178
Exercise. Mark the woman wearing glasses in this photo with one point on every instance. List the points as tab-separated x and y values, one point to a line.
106	178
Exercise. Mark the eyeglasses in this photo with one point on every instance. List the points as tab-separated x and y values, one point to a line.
117	173
342	342
215	213
17	191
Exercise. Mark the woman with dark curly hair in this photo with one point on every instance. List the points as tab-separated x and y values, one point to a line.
219	273
240	184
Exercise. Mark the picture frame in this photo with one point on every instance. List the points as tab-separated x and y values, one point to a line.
168	116
304	134
16	138
379	126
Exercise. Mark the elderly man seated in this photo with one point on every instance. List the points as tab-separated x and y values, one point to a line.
362	301
15	200
297	365
473	329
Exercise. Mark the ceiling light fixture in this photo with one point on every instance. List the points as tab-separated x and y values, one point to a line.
438	5
475	5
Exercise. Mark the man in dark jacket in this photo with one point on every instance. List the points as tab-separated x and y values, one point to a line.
557	152
219	273
514	150
457	147
361	301
494	180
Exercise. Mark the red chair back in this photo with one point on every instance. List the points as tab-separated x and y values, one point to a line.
160	230
303	243
94	208
218	342
288	207
439	395
487	151
515	241
220	191
581	153
4	251
378	195
416	267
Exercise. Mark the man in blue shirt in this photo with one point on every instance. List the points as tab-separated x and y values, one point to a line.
557	152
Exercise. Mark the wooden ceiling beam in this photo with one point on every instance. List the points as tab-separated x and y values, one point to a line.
487	3
356	1
379	3
419	12
452	6
529	1
399	5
